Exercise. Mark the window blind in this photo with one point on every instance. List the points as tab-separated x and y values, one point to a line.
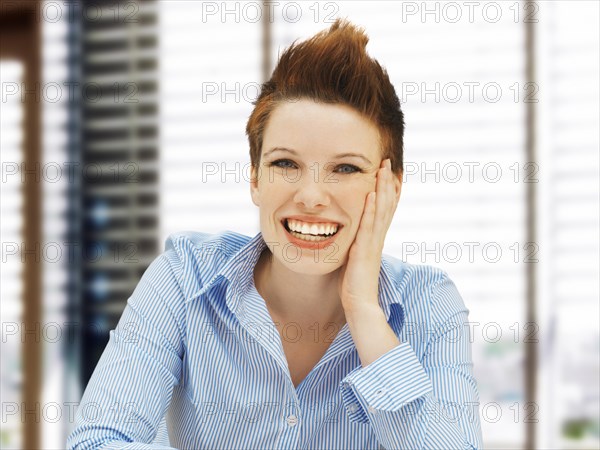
11	286
210	74
119	135
60	384
569	217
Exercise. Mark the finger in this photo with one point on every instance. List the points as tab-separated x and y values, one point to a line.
395	187
381	195
384	220
367	220
393	183
397	190
384	206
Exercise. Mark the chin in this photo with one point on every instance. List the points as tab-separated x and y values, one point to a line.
306	261
310	263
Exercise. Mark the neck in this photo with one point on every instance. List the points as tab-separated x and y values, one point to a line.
296	297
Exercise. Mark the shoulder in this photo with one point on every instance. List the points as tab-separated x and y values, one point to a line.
186	243
196	257
427	291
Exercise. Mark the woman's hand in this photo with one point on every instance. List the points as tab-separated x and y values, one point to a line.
359	278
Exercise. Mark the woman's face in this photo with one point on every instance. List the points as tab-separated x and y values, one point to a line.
318	161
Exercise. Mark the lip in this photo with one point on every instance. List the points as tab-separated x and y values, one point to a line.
307	244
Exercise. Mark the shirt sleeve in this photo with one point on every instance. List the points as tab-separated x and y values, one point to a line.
130	390
427	403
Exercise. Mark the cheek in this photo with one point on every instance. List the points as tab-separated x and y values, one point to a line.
356	189
271	197
353	202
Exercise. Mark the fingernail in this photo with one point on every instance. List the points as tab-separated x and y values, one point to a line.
388	163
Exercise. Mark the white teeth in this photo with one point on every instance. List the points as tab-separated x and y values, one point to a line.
311	229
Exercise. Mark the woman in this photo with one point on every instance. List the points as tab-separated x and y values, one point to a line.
304	336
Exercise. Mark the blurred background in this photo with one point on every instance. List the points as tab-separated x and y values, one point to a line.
123	122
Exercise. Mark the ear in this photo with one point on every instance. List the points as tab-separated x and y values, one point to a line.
254	192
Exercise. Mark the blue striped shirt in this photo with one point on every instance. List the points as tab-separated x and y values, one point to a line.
196	362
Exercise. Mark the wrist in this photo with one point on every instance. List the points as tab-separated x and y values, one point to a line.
363	312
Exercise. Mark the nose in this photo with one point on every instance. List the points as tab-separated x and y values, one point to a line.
311	191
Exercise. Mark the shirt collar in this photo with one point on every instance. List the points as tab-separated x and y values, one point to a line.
239	272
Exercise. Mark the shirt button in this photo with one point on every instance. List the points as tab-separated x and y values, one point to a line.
379	393
291	420
353	407
372	410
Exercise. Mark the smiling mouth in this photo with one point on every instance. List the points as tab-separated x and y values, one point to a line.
312	235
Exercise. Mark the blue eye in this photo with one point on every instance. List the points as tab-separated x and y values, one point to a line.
352	168
344	169
283	164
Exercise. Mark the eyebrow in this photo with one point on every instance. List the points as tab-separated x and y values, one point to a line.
338	156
